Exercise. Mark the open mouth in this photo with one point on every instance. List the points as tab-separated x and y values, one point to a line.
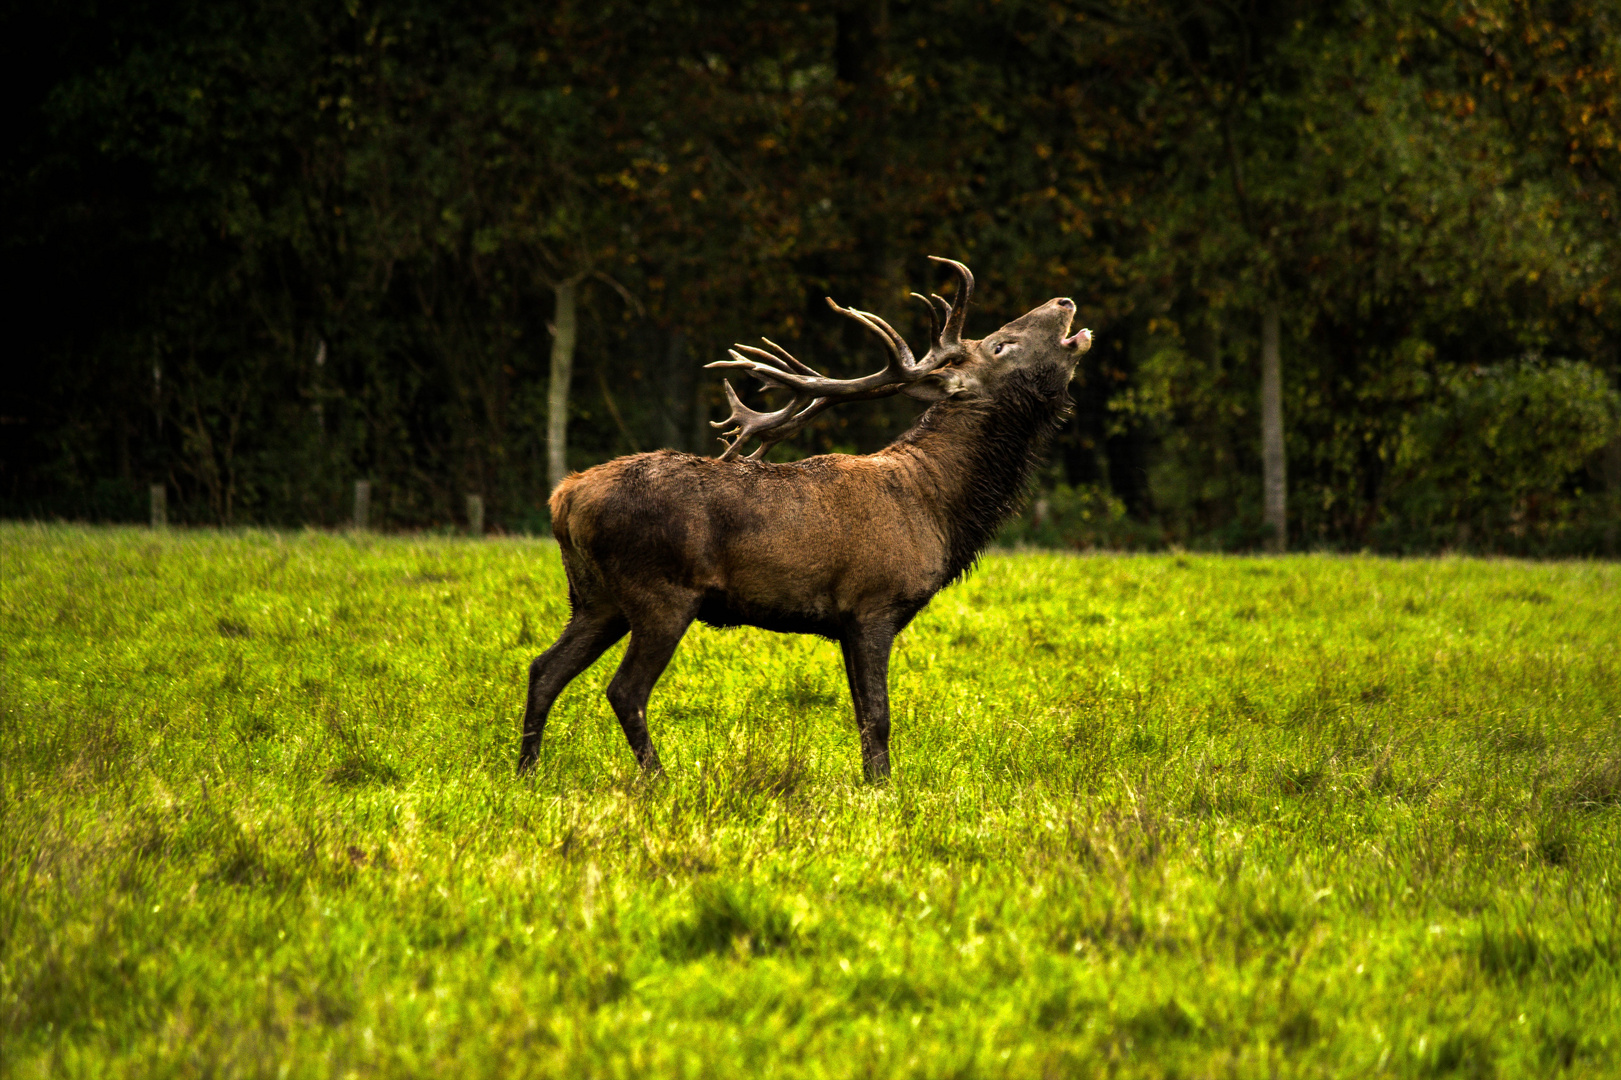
1080	340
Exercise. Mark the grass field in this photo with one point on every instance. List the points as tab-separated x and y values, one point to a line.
1152	816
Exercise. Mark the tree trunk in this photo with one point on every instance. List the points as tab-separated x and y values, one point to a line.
1274	478
563	337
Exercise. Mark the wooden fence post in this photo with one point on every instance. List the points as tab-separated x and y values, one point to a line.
475	515
160	506
362	504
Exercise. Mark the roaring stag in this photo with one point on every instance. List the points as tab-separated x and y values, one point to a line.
848	547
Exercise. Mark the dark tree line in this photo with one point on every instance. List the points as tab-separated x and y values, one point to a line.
1353	268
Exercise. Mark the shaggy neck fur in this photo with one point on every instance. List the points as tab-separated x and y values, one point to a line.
982	452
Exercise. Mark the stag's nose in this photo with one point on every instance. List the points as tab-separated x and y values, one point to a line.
1066	303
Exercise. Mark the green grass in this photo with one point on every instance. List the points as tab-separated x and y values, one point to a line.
1152	816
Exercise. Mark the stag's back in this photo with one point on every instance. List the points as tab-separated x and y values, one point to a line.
804	545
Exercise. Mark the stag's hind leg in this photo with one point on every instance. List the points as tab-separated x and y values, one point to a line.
587	636
656	628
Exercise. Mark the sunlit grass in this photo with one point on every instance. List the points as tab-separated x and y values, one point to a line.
1168	815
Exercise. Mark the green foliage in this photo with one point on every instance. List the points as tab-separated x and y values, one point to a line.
1495	454
1152	815
271	250
1064	516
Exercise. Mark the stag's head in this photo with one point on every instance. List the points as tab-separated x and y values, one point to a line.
1036	349
1036	352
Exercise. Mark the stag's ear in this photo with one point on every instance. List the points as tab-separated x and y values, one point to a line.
937	386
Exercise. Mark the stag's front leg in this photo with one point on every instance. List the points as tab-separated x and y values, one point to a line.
586	637
654	634
866	663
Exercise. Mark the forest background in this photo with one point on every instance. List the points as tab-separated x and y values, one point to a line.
261	251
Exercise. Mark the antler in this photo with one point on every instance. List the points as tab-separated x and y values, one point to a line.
814	392
947	319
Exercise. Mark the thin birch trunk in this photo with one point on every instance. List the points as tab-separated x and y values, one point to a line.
1274	466
563	338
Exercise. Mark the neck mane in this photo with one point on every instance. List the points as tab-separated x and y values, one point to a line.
983	452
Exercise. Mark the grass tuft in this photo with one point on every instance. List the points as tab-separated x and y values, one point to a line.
1151	816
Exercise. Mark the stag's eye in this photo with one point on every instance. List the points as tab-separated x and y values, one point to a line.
1000	345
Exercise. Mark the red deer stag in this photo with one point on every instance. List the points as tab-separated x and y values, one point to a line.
847	547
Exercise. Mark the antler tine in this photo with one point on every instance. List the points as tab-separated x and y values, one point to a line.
771	428
745	423
878	384
935	322
778	357
791	426
951	335
743	418
769	369
803	369
900	352
774	359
